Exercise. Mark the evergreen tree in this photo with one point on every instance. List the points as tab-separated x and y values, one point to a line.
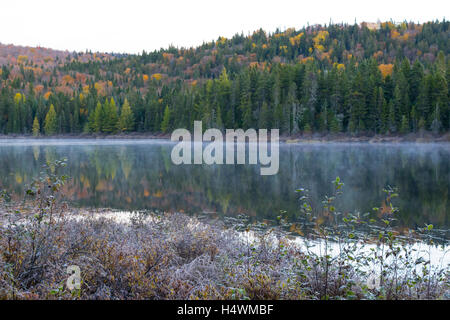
36	128
111	118
99	118
422	124
307	128
219	122
90	125
392	118
265	117
415	80
166	120
436	124
246	108
333	122
126	120
405	125
51	121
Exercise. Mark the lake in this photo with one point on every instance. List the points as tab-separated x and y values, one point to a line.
139	174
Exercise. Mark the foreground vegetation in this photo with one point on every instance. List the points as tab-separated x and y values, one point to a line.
173	256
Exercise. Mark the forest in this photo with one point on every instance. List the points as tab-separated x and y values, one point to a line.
368	78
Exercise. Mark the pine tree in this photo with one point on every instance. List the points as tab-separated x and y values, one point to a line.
166	120
90	124
357	112
422	125
307	128
416	76
382	112
413	117
99	118
247	119
265	117
126	120
323	119
436	123
224	89
219	122
439	96
110	113
75	125
36	128
392	118
50	123
245	106
405	125
293	104
424	99
333	122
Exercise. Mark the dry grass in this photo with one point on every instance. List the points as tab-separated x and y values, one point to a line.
166	257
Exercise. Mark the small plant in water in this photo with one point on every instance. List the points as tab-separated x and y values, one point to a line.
364	243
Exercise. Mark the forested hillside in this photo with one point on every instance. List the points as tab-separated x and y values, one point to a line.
381	78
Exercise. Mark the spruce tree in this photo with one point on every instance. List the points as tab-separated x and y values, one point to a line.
436	124
110	116
126	120
90	124
36	128
333	122
265	117
166	120
99	118
51	122
405	125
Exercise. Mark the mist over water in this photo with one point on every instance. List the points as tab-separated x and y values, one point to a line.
134	175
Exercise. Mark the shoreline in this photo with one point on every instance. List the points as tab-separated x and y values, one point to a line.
420	137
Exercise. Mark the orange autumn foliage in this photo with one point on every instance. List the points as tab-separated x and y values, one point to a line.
307	59
394	34
47	95
64	89
378	54
67	79
100	87
38	89
386	69
80	78
167	56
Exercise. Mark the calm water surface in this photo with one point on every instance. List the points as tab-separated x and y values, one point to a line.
130	175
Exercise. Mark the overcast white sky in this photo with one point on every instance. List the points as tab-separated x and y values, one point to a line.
133	25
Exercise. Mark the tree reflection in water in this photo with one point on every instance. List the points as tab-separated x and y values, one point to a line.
140	175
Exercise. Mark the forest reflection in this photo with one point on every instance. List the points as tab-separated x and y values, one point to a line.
135	176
